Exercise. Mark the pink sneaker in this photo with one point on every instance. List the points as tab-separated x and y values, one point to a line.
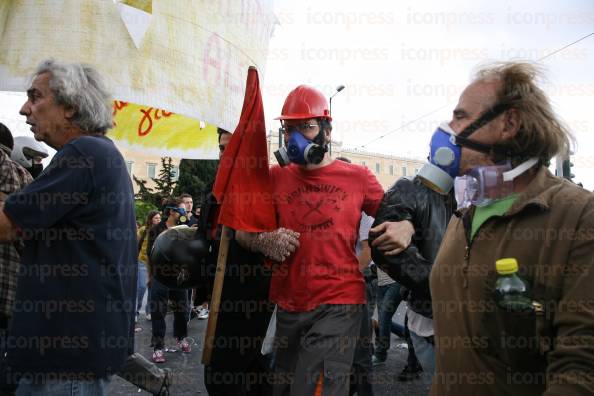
158	356
184	345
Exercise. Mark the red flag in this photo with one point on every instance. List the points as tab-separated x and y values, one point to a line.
243	183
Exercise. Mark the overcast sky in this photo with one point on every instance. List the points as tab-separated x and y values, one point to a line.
402	60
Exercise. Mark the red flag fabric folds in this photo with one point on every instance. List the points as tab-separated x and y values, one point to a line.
242	185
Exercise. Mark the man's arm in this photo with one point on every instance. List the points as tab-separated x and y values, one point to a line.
394	237
276	245
399	258
394	220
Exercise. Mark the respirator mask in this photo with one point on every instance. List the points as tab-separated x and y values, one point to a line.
446	150
183	215
444	160
299	149
484	185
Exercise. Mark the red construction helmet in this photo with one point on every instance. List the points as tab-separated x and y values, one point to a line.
305	102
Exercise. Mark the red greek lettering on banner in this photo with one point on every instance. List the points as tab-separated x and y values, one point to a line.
118	105
145	125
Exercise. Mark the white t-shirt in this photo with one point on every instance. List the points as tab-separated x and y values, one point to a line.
364	226
383	279
419	324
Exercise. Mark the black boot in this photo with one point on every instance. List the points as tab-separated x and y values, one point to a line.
409	373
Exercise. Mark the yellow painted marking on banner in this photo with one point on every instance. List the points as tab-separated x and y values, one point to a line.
144	5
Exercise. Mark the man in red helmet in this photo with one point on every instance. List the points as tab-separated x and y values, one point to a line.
318	288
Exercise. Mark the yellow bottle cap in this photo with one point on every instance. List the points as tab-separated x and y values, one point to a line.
506	266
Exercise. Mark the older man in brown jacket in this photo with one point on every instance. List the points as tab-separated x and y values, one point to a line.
545	222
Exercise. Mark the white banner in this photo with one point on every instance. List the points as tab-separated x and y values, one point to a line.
185	56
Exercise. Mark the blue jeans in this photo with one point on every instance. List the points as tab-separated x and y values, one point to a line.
388	297
398	330
64	388
425	351
141	286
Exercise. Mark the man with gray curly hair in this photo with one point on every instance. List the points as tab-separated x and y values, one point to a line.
516	217
74	306
71	94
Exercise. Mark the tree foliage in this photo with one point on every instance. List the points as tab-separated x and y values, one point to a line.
165	181
142	208
144	193
196	177
164	184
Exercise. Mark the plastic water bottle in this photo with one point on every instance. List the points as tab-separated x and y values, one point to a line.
512	293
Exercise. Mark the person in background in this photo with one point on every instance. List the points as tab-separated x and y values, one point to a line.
153	218
173	210
244	313
192	221
29	153
389	296
188	204
13	178
209	228
197	212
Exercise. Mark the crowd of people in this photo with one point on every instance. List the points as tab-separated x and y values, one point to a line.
297	310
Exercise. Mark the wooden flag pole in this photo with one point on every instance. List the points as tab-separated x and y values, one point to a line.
215	300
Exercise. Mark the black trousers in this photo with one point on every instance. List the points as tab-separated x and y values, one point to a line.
159	297
237	367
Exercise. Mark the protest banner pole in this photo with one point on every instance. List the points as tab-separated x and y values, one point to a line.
215	300
235	178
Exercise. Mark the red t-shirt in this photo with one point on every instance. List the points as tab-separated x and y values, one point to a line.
324	205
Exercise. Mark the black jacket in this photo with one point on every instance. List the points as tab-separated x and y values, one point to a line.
430	213
245	309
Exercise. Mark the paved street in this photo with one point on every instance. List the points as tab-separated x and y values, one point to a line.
188	372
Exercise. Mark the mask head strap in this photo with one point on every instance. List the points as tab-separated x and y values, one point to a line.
463	137
518	170
484	119
471	144
319	139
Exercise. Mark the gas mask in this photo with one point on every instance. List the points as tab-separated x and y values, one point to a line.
484	185
183	216
301	150
446	150
444	160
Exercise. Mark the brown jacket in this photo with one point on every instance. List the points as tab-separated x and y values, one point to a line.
482	350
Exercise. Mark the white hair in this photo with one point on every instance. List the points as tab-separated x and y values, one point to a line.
80	87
